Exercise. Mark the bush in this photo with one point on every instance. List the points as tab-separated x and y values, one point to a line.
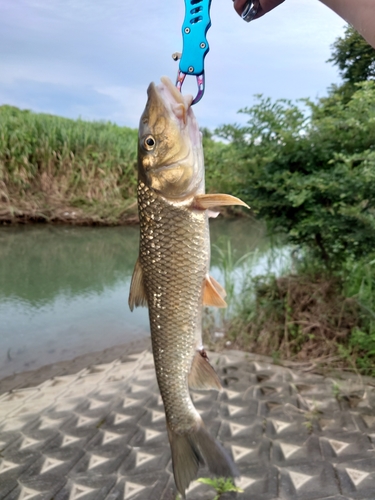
310	171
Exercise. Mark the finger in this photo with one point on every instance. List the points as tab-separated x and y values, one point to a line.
265	6
239	6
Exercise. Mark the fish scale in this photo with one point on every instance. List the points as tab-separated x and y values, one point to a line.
174	267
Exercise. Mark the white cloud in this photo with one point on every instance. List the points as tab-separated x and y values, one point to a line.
115	48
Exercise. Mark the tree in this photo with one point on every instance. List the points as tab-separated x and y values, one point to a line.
310	171
355	59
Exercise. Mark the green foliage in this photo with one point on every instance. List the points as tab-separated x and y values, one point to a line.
359	286
221	177
365	343
311	175
46	159
308	169
354	57
221	485
359	283
310	315
227	262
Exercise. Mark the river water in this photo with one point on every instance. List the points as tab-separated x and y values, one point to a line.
64	289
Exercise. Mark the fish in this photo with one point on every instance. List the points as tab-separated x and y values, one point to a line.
171	275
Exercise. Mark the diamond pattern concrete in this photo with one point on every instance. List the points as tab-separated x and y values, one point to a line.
100	434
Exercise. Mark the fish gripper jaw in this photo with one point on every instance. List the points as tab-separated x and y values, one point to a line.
200	83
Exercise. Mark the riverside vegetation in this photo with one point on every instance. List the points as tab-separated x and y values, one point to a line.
306	168
56	169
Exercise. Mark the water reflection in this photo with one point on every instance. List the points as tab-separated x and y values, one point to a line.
63	293
38	263
64	290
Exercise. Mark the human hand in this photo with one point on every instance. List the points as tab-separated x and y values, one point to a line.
264	7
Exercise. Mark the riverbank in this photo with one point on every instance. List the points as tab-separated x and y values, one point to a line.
306	316
42	210
54	169
31	378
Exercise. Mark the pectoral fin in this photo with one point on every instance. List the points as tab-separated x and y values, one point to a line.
207	201
202	375
137	295
213	293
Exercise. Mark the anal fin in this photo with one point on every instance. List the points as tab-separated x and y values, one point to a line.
202	375
207	201
137	294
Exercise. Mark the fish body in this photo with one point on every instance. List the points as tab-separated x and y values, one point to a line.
174	251
171	274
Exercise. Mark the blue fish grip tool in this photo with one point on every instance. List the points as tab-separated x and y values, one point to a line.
195	46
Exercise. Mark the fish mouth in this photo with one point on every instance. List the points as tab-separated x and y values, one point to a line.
176	94
170	97
180	106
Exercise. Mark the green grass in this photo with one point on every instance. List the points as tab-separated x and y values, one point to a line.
50	164
359	286
229	264
305	313
220	484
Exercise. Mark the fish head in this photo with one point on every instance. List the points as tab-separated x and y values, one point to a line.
170	154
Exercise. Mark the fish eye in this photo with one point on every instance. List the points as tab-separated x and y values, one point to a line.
149	143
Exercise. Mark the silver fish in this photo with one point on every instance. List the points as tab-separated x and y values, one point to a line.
171	273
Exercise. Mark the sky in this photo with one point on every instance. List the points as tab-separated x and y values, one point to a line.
94	59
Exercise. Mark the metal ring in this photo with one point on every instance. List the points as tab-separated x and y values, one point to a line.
250	10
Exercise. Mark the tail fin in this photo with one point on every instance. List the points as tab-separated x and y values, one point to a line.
194	448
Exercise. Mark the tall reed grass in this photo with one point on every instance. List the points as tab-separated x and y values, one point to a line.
49	161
